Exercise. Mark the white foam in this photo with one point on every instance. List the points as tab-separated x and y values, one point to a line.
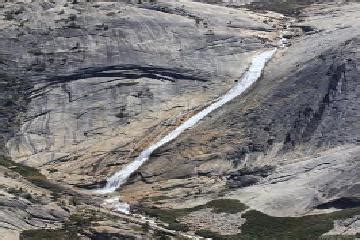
116	205
254	72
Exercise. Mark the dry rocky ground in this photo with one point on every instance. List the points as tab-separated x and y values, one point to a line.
84	87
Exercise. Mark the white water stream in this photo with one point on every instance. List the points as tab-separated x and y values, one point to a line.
253	73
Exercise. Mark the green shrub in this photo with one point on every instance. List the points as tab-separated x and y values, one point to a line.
53	170
15	191
167	215
178	227
206	233
48	234
226	205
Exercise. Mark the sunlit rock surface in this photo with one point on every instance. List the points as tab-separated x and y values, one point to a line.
305	105
106	77
85	87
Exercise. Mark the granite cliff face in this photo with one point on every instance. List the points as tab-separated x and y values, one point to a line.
86	86
304	104
105	76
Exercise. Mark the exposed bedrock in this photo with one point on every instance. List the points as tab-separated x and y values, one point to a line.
315	108
106	79
87	86
305	106
84	87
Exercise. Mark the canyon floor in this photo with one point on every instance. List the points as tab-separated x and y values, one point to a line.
86	86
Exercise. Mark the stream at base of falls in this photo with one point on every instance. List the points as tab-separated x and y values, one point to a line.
119	178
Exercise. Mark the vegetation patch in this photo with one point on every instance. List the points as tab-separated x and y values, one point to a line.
287	7
259	225
25	171
159	198
53	170
77	224
339	237
32	175
20	192
207	234
48	234
262	227
179	227
226	205
171	216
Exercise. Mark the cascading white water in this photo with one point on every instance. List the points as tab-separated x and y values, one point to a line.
254	72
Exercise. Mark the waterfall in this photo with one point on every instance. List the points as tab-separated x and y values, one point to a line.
251	75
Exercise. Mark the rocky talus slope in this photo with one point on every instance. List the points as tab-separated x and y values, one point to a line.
85	86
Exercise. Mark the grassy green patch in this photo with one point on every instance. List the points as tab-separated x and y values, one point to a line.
263	227
171	216
226	205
